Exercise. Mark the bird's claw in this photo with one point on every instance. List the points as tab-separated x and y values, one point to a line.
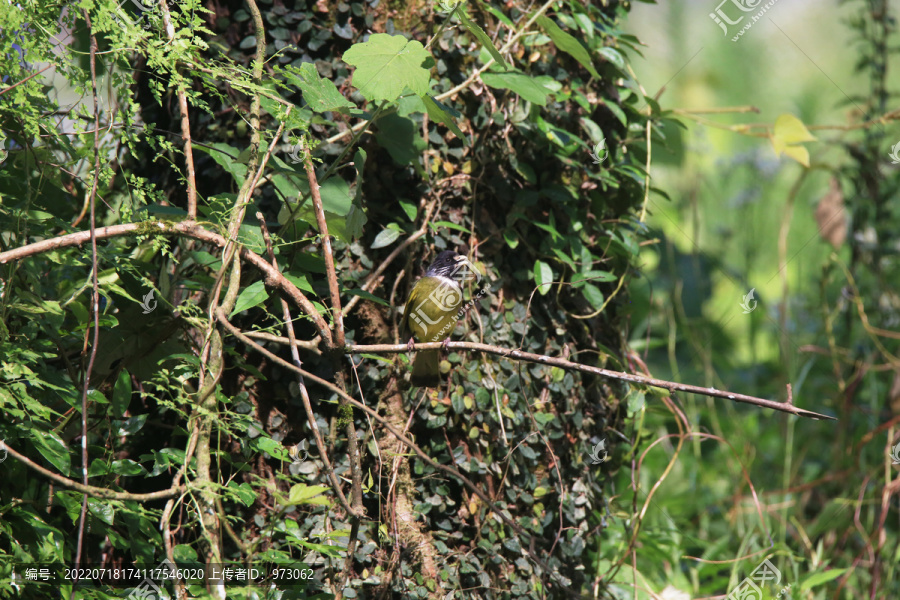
409	345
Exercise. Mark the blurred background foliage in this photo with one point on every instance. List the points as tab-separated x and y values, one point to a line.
581	259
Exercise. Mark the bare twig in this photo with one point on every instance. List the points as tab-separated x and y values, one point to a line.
185	121
565	364
95	296
330	272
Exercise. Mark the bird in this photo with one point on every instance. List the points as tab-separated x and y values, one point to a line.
432	310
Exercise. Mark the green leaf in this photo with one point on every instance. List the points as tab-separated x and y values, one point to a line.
244	492
252	295
387	64
308	494
103	510
368	296
410	209
593	295
480	35
568	44
441	113
132	425
321	94
636	401
613	56
399	137
226	156
435	225
817	579
601	276
523	85
335	194
385	238
126	467
323	549
300	281
53	449
543	276
543	418
121	396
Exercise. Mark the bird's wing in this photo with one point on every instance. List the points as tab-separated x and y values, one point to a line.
405	329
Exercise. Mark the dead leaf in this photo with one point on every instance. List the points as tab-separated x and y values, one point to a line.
831	216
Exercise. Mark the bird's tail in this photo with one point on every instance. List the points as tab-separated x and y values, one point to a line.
426	369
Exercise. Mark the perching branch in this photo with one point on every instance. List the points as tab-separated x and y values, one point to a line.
672	386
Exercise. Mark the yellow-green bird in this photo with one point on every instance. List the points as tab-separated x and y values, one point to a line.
431	312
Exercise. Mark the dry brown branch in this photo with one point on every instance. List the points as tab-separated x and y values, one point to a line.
572	366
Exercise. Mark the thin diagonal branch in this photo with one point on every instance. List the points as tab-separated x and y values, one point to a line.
672	386
185	121
326	247
90	490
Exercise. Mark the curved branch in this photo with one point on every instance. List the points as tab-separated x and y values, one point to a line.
190	229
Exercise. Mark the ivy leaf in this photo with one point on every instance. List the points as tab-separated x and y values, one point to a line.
385	238
386	64
480	35
568	44
321	94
